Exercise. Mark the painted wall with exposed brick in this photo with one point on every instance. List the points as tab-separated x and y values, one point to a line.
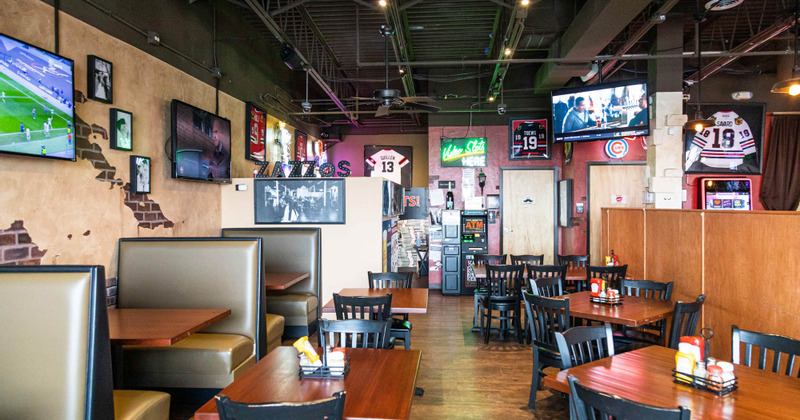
60	212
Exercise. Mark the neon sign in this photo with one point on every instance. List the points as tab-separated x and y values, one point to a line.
463	152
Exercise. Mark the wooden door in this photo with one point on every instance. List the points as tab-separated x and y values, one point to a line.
611	186
529	212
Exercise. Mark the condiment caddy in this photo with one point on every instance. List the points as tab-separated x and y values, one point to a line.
600	293
693	367
334	363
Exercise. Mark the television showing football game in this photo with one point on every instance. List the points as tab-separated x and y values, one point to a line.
601	112
201	144
37	114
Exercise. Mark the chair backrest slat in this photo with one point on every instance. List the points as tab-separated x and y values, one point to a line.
389	280
546	316
613	274
355	333
684	320
573	260
647	289
584	344
527	259
588	404
504	280
362	307
777	344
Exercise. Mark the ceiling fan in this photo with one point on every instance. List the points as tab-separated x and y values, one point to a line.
390	98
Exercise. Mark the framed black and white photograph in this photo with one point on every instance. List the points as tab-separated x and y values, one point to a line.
121	130
565	203
299	201
390	162
733	146
528	139
140	175
100	79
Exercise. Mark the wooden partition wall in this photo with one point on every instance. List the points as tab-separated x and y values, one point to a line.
746	263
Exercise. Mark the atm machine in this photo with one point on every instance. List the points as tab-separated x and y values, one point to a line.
473	242
451	252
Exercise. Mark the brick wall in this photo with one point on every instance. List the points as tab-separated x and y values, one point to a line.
17	248
146	211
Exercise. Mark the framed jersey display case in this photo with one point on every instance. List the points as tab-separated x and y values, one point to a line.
733	146
390	162
528	139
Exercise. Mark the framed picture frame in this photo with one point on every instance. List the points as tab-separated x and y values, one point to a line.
391	162
101	79
140	174
734	146
300	142
256	140
299	201
565	203
121	130
492	201
528	139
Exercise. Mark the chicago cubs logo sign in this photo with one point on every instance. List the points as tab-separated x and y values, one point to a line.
617	149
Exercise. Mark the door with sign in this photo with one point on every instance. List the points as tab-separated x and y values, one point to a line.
611	185
528	215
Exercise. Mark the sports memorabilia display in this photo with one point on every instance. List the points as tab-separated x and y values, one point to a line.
256	133
390	162
528	139
733	145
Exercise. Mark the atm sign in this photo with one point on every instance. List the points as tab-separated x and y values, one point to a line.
474	225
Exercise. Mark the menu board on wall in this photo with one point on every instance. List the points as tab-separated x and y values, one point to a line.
464	152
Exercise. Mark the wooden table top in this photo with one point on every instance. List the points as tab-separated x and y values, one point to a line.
573	273
380	384
634	312
645	376
282	281
158	327
404	301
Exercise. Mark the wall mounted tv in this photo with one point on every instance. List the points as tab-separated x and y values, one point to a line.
37	114
464	152
201	144
601	112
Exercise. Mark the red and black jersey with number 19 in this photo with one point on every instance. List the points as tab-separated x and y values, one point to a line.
529	139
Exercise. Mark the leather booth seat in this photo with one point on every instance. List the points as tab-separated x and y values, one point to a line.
294	250
55	357
275	324
195	273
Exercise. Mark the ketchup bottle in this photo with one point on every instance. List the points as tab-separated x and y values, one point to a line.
614	258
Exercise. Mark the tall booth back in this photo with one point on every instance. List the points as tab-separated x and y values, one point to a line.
55	358
197	273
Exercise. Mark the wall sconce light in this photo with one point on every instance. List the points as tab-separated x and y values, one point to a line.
481	181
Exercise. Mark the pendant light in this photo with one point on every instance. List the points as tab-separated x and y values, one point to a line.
698	123
790	86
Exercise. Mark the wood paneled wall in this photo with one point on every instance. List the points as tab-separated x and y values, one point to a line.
746	263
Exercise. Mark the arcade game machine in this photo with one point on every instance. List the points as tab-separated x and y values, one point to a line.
724	193
473	241
451	252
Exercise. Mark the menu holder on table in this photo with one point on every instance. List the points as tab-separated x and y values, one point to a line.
325	372
705	384
607	301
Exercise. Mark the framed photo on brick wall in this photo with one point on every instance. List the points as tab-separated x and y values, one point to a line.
140	175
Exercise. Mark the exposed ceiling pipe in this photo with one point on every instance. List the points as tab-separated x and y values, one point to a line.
511	37
629	57
751	44
318	78
416	111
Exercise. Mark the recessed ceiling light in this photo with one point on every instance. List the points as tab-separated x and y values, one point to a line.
382	3
524	2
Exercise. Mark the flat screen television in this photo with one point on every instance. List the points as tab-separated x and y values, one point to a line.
37	113
724	194
601	112
201	144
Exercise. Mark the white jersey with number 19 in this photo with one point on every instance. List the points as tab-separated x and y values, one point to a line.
727	143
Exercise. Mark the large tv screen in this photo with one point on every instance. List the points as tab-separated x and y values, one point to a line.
201	144
37	114
601	112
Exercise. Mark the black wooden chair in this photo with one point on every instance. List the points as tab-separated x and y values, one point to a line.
527	259
579	345
401	326
546	317
546	286
684	320
653	333
612	274
481	290
376	308
330	408
355	333
588	404
778	344
547	281
542	271
573	260
504	284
